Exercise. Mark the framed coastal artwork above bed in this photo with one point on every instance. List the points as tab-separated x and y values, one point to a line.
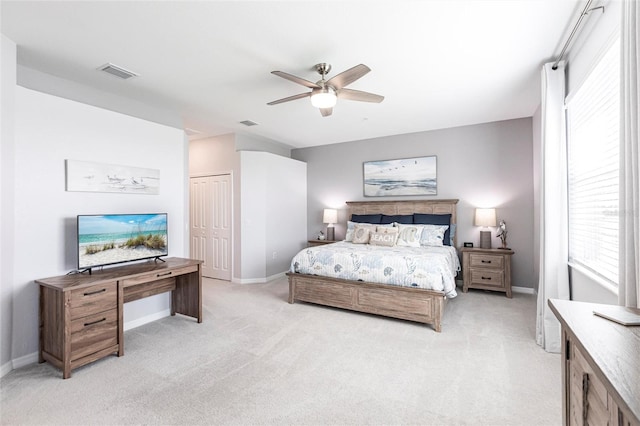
406	176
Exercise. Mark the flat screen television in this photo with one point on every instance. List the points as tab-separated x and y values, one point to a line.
116	238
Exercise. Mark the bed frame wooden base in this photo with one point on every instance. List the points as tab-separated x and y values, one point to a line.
414	304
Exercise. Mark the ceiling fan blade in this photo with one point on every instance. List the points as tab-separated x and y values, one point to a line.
290	98
357	95
295	79
349	76
326	111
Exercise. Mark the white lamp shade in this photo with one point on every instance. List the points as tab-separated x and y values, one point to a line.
485	217
330	216
324	98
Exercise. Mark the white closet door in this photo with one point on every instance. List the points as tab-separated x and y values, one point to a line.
211	224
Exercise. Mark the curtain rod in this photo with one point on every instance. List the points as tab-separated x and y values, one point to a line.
584	13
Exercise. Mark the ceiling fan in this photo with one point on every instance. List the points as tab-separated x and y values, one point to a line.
324	93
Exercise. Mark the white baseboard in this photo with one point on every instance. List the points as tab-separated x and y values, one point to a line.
259	280
28	359
128	325
6	368
525	290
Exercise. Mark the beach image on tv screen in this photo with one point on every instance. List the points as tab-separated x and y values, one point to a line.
108	239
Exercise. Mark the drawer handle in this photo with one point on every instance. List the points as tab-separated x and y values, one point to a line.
87	324
486	261
486	278
585	397
165	274
91	293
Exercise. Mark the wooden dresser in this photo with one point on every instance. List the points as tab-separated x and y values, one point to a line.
81	314
487	269
600	367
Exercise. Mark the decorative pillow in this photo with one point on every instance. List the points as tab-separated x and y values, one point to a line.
383	238
388	229
361	235
452	228
399	218
409	235
351	227
366	218
433	235
435	219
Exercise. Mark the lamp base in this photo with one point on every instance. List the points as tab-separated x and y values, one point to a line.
485	239
331	234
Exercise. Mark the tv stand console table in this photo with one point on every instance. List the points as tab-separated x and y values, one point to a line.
81	314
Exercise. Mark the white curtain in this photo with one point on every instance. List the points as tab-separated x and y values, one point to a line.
629	287
554	271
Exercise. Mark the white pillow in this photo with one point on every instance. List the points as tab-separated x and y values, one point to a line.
433	235
410	235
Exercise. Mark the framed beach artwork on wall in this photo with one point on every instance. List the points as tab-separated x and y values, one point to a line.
87	176
407	176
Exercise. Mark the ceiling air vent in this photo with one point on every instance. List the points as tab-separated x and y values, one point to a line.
191	132
248	123
117	71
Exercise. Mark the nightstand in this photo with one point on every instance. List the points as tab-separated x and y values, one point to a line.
311	243
487	269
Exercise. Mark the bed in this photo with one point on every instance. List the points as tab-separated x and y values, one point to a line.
404	300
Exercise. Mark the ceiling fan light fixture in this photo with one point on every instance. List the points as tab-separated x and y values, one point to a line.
324	98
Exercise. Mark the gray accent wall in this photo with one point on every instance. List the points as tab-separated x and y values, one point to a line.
483	165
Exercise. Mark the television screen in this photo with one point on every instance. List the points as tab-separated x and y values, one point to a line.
116	238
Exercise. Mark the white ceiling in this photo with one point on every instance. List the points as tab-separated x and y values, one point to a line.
439	63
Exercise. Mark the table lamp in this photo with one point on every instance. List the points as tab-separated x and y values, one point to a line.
485	218
330	217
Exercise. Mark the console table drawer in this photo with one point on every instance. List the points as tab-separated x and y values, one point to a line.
486	261
154	276
90	300
94	333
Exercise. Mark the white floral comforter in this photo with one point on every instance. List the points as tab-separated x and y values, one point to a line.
432	268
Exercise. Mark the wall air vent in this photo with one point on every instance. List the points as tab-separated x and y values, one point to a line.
248	123
117	71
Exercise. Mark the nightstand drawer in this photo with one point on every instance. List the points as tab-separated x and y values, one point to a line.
93	299
487	277
493	261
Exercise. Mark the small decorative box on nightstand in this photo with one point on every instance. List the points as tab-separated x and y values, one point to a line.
487	269
311	243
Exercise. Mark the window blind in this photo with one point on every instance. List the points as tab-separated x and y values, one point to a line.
593	118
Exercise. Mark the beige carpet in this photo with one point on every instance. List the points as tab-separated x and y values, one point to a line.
259	360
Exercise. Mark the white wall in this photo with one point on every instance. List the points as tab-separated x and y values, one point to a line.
484	165
7	182
48	130
274	216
